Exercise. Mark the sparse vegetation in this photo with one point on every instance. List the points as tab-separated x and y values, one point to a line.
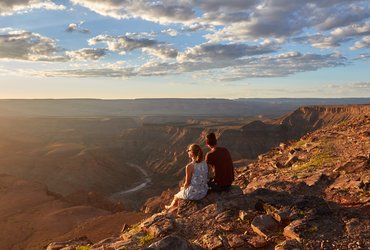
299	144
82	248
312	229
144	240
301	213
135	229
323	156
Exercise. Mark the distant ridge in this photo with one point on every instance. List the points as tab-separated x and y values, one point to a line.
163	106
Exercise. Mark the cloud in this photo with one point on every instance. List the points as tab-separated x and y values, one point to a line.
263	66
349	89
73	27
170	32
9	7
362	44
24	45
29	46
360	85
194	27
221	52
162	51
241	20
339	36
156	11
364	57
123	44
282	18
86	54
134	41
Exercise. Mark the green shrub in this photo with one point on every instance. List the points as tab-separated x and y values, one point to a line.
147	238
82	248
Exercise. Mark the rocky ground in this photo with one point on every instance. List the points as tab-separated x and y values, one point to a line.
313	193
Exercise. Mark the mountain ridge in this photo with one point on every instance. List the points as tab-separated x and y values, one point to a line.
162	106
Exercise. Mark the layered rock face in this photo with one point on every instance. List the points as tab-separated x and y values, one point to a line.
311	193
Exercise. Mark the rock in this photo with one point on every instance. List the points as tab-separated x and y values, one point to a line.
258	241
69	245
105	241
242	215
353	227
264	225
116	245
171	242
283	146
292	230
278	165
289	245
151	220
217	202
212	241
293	159
317	179
235	240
161	227
282	216
225	216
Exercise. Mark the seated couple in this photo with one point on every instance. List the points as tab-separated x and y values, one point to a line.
217	161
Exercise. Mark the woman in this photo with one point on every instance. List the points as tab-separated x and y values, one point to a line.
195	186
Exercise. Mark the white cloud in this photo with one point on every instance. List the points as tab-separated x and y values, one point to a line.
86	54
170	32
74	27
9	7
263	66
161	51
29	46
363	57
123	44
156	11
283	18
339	36
221	52
363	43
134	41
360	85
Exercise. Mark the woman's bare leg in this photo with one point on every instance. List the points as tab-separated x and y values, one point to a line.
174	203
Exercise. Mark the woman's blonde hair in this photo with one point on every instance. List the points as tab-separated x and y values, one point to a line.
197	152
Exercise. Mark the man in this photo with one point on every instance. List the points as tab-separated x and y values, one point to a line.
220	162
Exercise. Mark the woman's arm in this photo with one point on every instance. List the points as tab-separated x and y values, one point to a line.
189	174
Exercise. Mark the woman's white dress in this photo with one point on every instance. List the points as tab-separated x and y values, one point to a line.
198	187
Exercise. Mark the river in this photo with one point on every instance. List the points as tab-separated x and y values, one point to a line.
142	185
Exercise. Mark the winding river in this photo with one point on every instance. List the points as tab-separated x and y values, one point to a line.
146	181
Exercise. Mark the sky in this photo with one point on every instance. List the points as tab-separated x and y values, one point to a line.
126	49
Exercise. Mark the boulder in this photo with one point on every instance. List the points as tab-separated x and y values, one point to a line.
235	240
258	241
265	225
211	241
161	227
289	245
292	231
69	245
171	242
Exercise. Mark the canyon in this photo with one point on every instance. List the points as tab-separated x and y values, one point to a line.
73	166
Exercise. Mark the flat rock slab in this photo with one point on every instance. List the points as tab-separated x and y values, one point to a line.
265	225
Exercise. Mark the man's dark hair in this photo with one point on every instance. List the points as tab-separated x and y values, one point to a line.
211	139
